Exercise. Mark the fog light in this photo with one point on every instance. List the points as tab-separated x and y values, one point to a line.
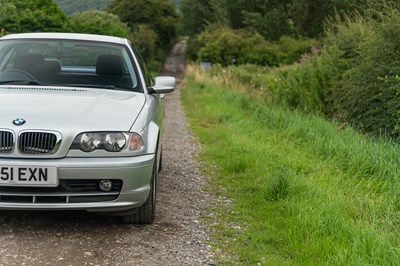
105	185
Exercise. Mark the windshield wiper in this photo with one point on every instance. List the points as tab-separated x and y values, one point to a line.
107	87
20	82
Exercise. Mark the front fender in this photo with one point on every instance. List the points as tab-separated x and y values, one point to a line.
150	137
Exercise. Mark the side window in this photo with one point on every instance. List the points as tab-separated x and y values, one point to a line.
143	66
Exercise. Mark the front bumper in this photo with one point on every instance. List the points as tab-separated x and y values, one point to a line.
134	172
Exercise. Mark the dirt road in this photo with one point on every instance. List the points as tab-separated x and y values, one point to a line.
176	238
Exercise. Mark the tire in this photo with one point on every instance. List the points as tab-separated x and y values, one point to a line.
160	163
146	213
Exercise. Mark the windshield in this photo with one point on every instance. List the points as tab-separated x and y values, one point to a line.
67	63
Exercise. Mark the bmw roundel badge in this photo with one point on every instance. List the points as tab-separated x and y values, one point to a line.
19	122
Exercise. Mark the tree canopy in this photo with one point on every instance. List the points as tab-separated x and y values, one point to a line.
32	16
195	16
271	18
98	22
159	15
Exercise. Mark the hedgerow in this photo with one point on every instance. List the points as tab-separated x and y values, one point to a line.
227	46
366	96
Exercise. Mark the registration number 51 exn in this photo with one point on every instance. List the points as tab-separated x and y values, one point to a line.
28	176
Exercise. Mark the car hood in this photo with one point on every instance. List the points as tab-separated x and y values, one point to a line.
69	110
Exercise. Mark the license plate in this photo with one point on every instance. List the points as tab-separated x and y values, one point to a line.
28	176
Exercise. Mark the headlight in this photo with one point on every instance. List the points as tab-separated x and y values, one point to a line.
109	141
114	142
90	141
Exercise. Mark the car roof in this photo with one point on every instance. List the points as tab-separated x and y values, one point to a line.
64	36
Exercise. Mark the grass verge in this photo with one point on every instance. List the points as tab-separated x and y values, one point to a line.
304	191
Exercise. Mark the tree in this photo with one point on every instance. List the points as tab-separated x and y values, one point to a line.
271	18
195	16
145	39
32	16
159	15
98	22
9	20
309	16
267	17
41	15
271	24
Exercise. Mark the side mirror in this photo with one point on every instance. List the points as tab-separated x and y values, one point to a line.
163	85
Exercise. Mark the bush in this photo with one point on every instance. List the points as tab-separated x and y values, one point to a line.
364	97
227	46
304	85
290	49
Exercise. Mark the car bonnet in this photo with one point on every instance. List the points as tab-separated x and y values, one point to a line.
69	110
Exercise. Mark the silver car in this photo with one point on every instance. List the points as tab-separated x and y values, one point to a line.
81	123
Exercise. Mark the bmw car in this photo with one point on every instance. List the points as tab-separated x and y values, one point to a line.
81	125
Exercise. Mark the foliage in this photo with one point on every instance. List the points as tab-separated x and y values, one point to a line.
152	24
303	191
309	16
98	22
363	97
266	17
177	3
159	15
290	50
9	20
270	18
226	46
352	79
32	16
302	85
145	39
195	16
70	7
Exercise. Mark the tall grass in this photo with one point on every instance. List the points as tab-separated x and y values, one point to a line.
304	191
303	85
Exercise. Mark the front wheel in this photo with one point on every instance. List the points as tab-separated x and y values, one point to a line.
147	212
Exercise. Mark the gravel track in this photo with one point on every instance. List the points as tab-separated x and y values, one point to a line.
178	236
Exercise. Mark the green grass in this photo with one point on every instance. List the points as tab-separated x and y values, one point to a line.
303	191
